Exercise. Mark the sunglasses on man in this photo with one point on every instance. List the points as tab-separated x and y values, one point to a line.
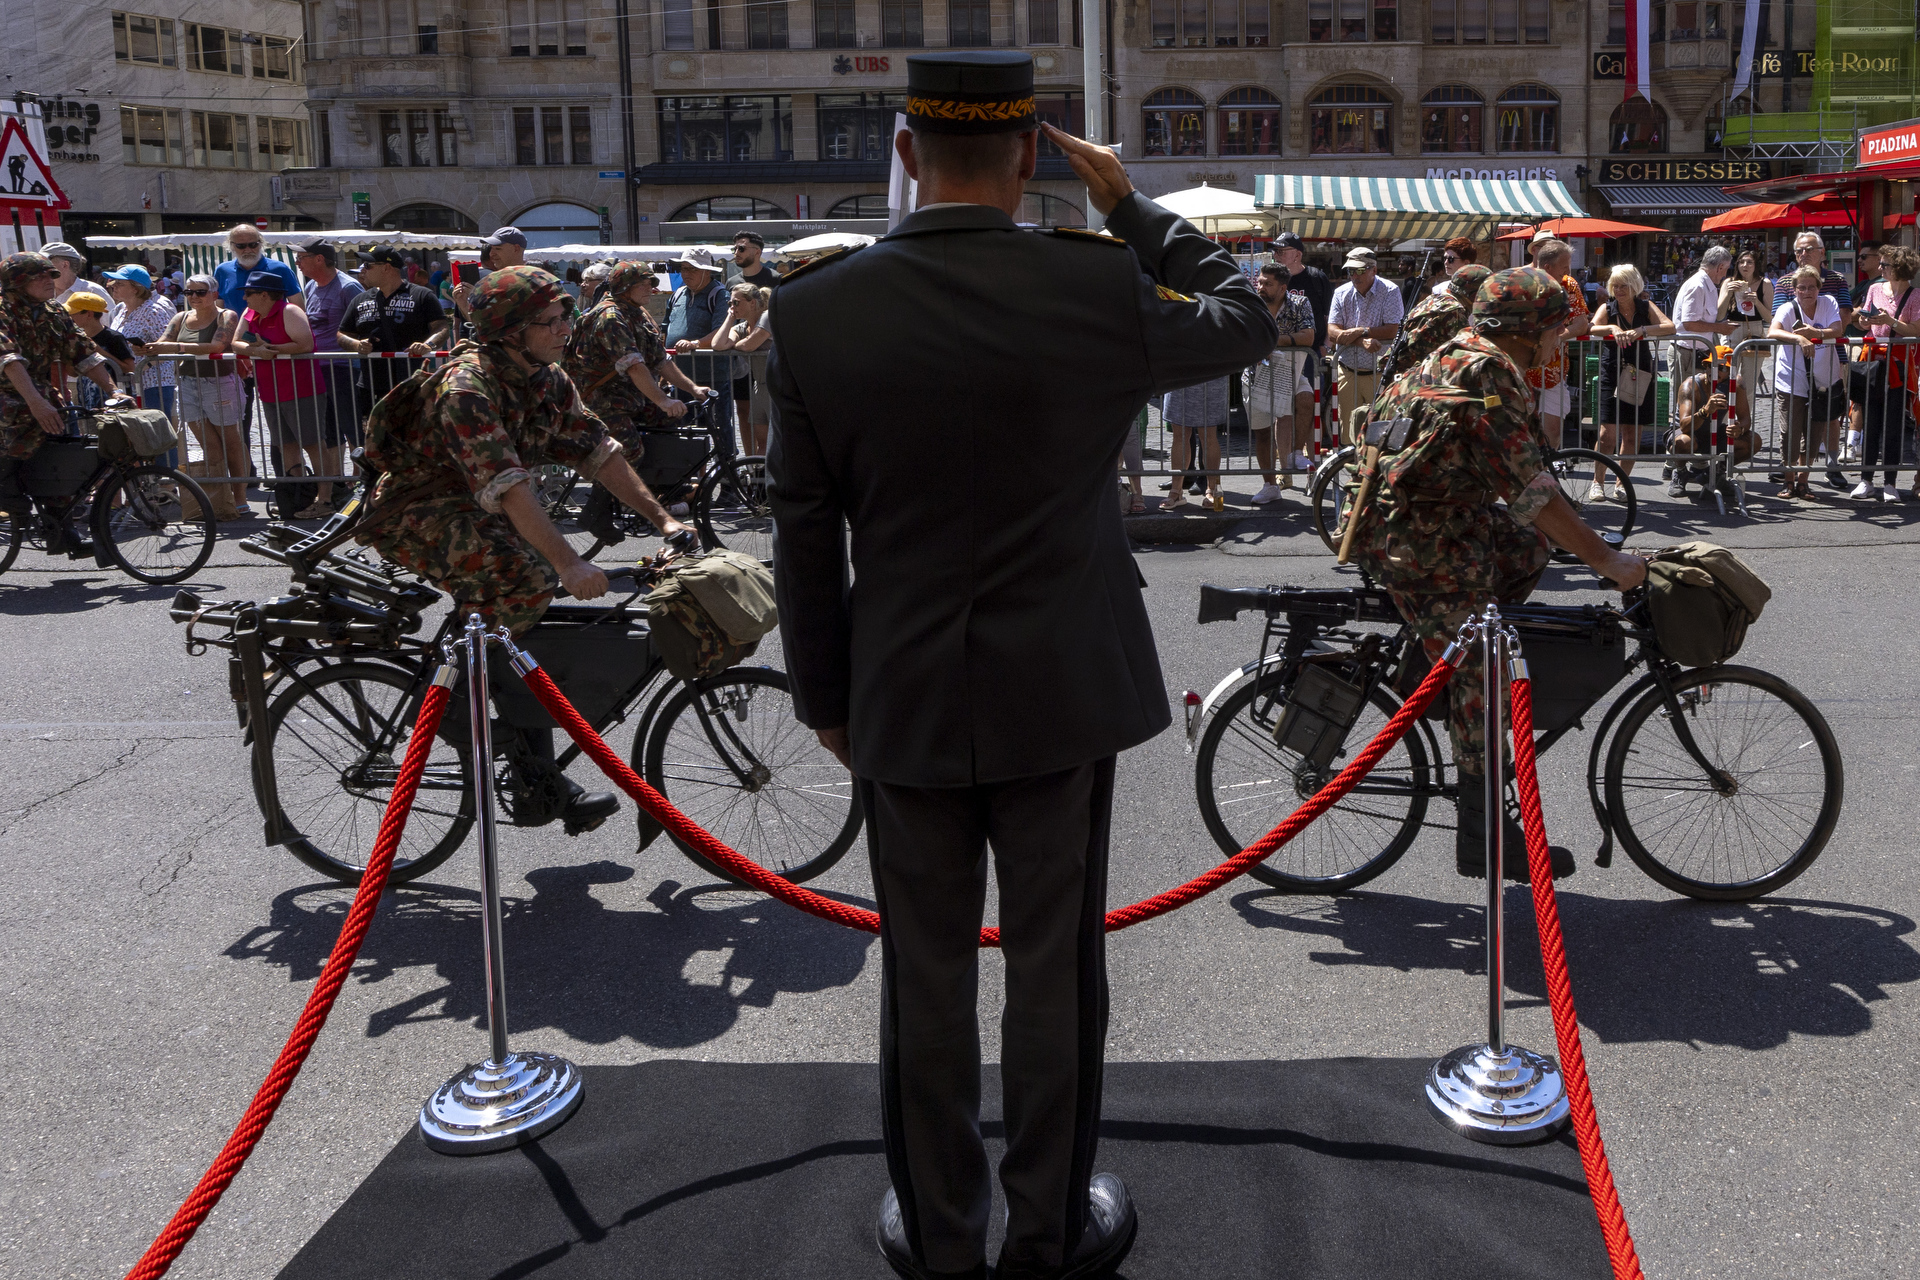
196	293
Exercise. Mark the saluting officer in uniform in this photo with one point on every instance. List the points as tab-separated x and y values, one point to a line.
990	654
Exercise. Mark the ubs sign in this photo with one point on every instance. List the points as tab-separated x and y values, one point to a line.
1657	172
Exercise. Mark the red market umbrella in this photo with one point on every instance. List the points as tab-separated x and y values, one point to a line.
1777	217
1585	229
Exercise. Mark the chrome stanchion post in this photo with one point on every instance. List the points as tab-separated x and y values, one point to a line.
511	1097
1497	1092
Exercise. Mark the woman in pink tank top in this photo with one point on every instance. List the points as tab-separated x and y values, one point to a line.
292	400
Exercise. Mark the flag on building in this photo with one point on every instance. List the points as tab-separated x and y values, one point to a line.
1639	63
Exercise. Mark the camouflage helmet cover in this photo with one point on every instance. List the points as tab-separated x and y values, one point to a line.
1466	282
624	276
512	298
1523	302
20	268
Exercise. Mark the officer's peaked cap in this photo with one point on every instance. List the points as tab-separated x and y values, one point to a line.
977	92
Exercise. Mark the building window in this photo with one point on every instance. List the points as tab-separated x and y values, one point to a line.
139	38
1173	123
858	126
149	135
214	49
1529	117
429	218
767	24
274	60
553	134
1066	112
1638	127
1350	119
729	209
833	24
900	26
1616	22
969	24
553	28
1197	24
429	40
311	22
1469	21
860	207
280	144
1348	20
1038	210
443	132
1450	119
526	143
323	135
1458	21
1043	21
393	142
580	135
420	139
1249	122
220	141
733	130
678	16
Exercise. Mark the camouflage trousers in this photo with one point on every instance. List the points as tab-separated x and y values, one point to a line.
20	435
478	559
1519	558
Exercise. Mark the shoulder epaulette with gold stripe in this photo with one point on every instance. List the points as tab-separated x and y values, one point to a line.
1170	295
805	267
1081	233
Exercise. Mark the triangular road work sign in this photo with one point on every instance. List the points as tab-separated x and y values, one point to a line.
25	180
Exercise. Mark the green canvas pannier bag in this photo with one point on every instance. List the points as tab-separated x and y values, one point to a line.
128	434
709	612
1703	599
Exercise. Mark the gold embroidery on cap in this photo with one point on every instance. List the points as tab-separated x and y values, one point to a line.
949	109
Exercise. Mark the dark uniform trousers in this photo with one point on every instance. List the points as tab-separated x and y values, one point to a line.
929	849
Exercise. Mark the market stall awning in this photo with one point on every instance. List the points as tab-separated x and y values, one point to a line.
1326	208
1676	198
204	251
1801	185
1774	217
1584	229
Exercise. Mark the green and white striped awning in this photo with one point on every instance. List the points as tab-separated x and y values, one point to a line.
1326	208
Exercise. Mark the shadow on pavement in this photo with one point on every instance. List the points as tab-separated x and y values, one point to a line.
670	977
1748	975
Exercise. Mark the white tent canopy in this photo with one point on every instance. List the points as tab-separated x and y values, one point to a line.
1217	210
353	236
611	253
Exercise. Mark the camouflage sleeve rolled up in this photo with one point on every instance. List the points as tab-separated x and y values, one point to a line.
577	435
477	440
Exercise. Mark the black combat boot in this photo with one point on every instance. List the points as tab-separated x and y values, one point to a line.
582	810
1470	839
12	501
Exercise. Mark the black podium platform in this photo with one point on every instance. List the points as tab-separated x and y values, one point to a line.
1330	1169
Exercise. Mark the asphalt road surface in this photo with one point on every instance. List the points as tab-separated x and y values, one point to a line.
1753	1064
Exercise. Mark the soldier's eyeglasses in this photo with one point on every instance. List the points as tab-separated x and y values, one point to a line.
559	324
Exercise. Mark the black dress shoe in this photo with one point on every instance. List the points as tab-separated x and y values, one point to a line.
1111	1223
588	809
1470	843
891	1233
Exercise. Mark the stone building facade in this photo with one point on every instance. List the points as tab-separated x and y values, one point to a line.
165	115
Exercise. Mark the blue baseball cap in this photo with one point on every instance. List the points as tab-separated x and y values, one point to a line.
137	275
264	281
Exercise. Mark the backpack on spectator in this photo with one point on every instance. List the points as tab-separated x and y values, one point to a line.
1703	598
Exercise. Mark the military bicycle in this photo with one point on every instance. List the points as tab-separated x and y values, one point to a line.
327	682
1722	783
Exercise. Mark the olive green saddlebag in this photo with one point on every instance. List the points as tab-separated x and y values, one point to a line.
709	612
1703	598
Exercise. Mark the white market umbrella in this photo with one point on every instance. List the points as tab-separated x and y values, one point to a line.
1217	210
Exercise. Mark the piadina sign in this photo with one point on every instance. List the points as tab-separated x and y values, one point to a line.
1889	143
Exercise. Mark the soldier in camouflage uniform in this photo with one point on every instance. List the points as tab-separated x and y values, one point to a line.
455	504
619	361
37	341
1432	536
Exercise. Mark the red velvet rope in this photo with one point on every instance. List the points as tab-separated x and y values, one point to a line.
162	1252
752	873
1566	1026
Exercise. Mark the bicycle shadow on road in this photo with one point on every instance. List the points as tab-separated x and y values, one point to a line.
1745	975
669	977
67	590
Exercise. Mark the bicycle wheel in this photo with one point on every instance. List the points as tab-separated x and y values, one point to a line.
1331	496
732	511
730	755
337	741
1573	469
1755	834
13	531
141	523
1246	783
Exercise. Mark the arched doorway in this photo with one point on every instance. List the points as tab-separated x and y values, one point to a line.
548	225
427	219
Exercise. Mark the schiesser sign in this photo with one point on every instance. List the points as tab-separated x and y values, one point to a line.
1665	171
1890	144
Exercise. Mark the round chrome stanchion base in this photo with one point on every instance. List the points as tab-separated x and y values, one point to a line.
494	1105
1508	1098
